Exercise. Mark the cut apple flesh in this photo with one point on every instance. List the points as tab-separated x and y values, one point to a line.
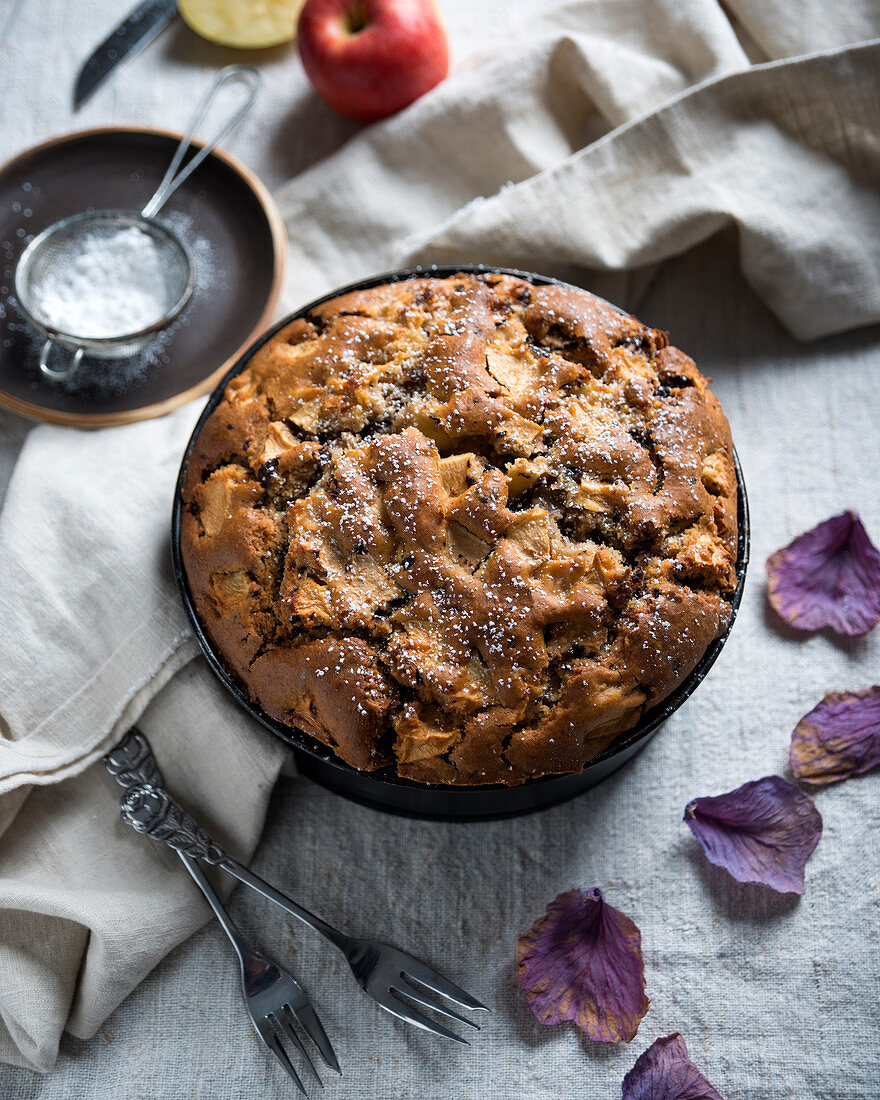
245	24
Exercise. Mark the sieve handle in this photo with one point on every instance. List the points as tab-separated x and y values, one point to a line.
51	372
243	74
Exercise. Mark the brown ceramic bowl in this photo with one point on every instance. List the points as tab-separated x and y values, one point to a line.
222	209
384	789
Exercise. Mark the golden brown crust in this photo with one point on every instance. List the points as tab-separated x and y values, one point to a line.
467	527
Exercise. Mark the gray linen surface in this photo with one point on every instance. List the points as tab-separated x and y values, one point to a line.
776	997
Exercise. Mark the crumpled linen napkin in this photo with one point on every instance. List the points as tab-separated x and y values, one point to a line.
93	633
616	133
489	173
88	907
92	623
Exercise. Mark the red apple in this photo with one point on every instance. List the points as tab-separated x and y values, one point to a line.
370	58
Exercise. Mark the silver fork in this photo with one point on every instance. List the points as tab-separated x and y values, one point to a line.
274	999
385	973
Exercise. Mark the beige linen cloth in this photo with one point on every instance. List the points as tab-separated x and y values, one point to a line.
610	136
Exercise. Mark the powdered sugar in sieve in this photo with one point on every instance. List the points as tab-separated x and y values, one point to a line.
106	282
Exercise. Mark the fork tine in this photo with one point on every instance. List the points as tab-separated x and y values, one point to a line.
274	1044
432	980
313	1027
415	994
284	1019
411	1015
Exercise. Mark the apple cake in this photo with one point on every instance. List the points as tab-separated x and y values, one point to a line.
468	529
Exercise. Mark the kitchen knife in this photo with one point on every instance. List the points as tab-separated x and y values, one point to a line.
129	38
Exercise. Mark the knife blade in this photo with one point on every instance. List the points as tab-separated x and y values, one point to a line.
128	39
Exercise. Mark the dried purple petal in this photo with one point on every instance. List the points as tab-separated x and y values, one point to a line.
665	1072
582	961
763	832
828	577
838	738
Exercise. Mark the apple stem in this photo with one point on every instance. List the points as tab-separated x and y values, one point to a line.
355	18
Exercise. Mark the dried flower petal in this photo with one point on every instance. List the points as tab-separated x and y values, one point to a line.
763	832
582	961
829	576
838	738
665	1072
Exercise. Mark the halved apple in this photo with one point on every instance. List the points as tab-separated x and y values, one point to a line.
244	24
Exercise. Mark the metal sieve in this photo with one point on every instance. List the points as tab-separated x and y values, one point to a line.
57	248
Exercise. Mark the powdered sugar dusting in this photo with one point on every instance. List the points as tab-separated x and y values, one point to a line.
104	379
105	282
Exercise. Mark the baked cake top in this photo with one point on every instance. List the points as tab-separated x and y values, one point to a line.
468	527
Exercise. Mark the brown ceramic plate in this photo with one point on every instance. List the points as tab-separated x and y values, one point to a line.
223	213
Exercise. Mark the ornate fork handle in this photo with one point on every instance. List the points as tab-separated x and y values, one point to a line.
153	812
148	807
132	762
379	969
